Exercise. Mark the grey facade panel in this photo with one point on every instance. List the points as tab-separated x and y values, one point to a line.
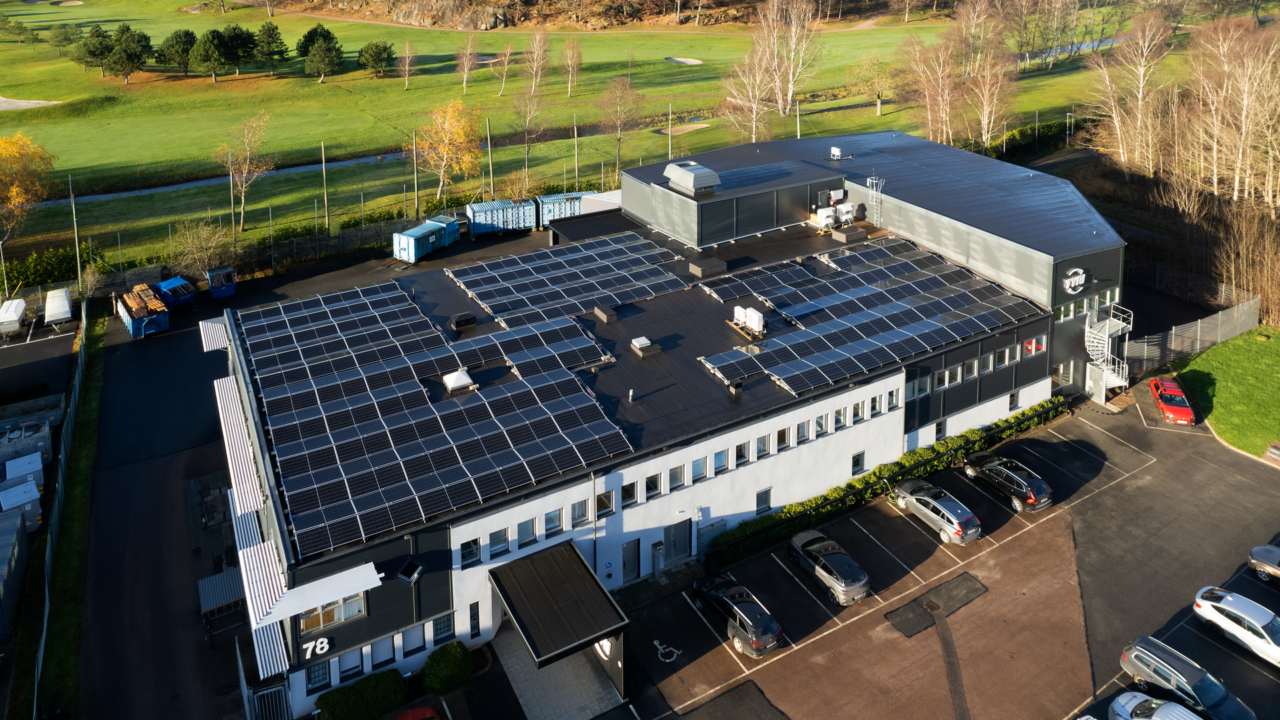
1032	369
716	221
793	205
756	213
1099	271
959	397
674	214
995	383
963	353
637	198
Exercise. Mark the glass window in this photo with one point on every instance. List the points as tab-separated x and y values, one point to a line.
762	447
351	664
383	653
763	504
802	432
1034	346
318	676
414	640
721	461
527	532
604	504
875	405
939	430
987	364
953	375
628	494
782	439
819	425
838	421
1082	306
1062	313
857	411
940	381
858	460
742	454
699	469
1062	375
652	486
578	512
1013	400
551	522
893	399
499	543
471	552
442	628
474	613
675	478
1002	357
922	385
971	370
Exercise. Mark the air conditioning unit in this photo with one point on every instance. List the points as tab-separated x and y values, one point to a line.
835	153
826	218
844	211
739	315
755	319
640	343
837	194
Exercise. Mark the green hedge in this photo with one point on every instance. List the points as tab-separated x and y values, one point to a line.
448	668
366	699
50	266
768	530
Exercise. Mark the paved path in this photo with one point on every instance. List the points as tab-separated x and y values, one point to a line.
574	688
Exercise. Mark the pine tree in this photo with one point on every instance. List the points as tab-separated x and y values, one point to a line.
269	48
209	53
376	57
176	49
311	37
324	57
238	45
130	54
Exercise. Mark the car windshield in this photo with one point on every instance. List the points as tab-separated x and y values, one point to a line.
938	494
1272	629
1146	708
1174	400
1209	690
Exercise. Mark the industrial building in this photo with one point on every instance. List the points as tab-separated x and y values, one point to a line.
403	476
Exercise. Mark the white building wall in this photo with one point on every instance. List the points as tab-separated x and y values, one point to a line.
980	415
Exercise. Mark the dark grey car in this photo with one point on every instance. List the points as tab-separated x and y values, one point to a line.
1003	476
822	558
1158	669
751	628
954	522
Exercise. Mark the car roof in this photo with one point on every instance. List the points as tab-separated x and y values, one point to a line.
805	536
1246	607
1179	663
1168	386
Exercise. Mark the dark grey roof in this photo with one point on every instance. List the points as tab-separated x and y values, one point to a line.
1035	210
593	225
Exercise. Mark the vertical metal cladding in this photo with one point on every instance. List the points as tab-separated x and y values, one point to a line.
559	206
502	216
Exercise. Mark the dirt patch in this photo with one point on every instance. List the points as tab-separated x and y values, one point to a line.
684	61
682	129
7	104
68	3
486	59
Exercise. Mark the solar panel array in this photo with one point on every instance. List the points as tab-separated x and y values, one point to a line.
847	332
360	448
569	280
757	280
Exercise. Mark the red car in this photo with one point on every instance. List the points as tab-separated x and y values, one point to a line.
1172	402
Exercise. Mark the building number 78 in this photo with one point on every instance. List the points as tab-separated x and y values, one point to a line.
320	646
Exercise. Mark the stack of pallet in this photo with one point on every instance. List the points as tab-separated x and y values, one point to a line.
143	301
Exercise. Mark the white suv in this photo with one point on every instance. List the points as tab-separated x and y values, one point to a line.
1242	620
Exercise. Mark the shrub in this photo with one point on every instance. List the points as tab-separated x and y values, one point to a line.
371	217
448	668
366	699
52	265
290	232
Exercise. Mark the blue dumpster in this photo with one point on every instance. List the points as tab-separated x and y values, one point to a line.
177	292
222	281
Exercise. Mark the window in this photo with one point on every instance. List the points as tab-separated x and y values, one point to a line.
875	405
578	512
782	439
604	504
442	628
856	412
383	653
1006	356
742	454
1013	400
946	378
893	399
1034	346
675	478
819	425
1109	297
839	421
858	463
475	620
470	552
918	387
318	677
970	370
939	430
551	522
762	447
763	504
332	613
699	469
527	533
1082	306
802	432
721	461
1064	313
414	640
652	487
629	494
499	543
350	664
987	364
409	572
1062	375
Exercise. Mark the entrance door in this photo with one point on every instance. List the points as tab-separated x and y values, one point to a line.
677	540
631	560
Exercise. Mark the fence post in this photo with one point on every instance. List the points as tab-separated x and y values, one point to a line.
1197	336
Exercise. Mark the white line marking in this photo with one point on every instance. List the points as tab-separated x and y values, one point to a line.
723	643
1086	452
1097	694
1104	487
882	547
633	711
1268	585
445	705
787	570
1095	427
1232	651
911	521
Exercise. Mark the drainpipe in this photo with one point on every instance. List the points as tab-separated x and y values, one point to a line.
595	555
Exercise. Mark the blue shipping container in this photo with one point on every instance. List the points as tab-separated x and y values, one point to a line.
501	215
13	551
416	243
450	224
222	281
177	292
559	207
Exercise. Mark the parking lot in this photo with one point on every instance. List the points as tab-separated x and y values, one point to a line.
1142	518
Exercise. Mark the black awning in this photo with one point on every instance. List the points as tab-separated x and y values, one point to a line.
594	225
557	603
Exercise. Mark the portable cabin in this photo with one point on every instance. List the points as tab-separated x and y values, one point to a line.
11	316
30	438
57	306
498	216
559	207
222	281
26	498
25	469
450	224
177	292
13	561
142	311
416	243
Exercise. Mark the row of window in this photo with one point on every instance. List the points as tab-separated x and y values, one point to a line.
1082	306
971	369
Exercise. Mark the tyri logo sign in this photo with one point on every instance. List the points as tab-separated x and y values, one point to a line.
1075	281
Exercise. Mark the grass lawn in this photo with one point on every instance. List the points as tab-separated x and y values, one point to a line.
1224	381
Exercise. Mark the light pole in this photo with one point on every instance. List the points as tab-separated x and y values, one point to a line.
1069	118
4	269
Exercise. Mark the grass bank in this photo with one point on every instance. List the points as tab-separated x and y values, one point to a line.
1224	381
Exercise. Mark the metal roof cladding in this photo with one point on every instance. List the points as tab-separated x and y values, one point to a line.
1038	211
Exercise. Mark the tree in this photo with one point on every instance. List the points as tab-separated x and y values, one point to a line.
30	36
571	61
24	171
63	36
376	57
242	156
905	6
528	108
238	45
787	33
271	7
404	64
450	144
324	58
4	23
93	50
748	90
15	28
873	78
619	107
208	55
200	245
132	50
466	60
501	66
536	58
269	48
311	37
988	90
175	51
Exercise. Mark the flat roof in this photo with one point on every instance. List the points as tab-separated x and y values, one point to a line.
1026	207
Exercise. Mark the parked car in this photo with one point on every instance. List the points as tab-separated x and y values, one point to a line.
1241	619
935	506
1159	669
1264	560
1025	489
1132	705
824	559
751	628
1172	402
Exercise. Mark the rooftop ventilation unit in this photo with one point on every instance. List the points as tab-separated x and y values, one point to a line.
459	382
691	178
835	153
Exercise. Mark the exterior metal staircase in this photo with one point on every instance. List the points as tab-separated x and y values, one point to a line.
1104	325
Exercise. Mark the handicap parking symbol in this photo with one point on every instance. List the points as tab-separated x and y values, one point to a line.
666	653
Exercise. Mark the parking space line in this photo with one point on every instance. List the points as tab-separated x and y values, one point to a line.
1097	694
723	643
1232	649
1050	463
1104	487
1086	452
1095	427
983	493
882	547
787	570
911	520
1259	583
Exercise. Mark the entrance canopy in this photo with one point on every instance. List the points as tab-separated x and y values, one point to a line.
557	603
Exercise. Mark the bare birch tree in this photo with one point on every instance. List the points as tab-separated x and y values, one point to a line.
988	90
873	78
620	107
404	63
242	156
199	245
570	62
528	109
537	57
466	60
747	92
501	66
787	34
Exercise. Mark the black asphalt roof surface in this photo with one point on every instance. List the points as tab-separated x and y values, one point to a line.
594	225
556	601
1030	208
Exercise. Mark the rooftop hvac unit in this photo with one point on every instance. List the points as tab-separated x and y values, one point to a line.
826	218
835	153
837	194
844	211
691	178
739	315
640	343
458	381
755	319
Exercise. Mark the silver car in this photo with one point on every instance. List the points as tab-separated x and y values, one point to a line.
935	506
822	558
1132	706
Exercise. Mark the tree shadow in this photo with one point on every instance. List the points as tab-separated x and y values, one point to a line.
1202	387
